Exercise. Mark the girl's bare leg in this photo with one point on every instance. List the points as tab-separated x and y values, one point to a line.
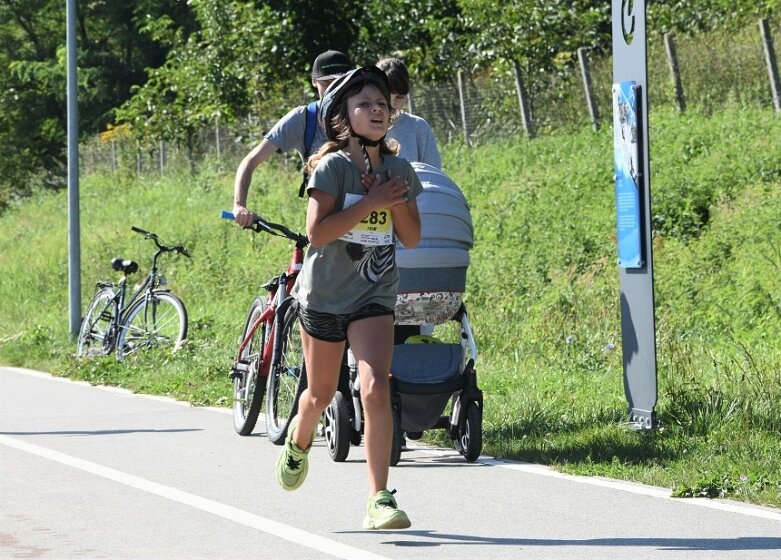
323	364
371	341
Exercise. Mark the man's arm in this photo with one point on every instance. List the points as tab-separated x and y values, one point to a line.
241	184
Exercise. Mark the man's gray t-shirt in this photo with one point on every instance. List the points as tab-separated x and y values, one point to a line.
288	133
416	139
342	277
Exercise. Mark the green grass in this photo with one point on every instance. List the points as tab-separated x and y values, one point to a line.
542	293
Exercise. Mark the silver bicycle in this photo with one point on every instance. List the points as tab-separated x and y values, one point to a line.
151	316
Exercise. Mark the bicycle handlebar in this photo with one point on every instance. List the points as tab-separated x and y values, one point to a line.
165	248
260	224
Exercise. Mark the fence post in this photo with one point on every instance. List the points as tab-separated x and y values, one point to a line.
411	103
251	130
113	156
675	73
217	138
523	100
462	99
93	159
770	58
587	88
138	157
162	157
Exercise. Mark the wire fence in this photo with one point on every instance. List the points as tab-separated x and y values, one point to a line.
711	71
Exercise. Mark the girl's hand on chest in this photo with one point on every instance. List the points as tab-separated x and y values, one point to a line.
385	193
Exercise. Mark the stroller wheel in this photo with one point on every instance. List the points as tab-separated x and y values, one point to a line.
470	438
414	436
397	437
336	426
355	436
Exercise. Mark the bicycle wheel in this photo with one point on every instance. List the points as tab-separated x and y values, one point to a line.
158	320
95	335
249	384
286	380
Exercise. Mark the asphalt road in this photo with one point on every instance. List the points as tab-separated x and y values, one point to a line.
92	472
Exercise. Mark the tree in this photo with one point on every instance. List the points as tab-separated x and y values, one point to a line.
233	62
539	38
318	25
112	56
539	34
429	37
246	57
32	95
697	16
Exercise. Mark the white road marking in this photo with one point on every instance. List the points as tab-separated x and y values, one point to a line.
632	487
275	528
117	390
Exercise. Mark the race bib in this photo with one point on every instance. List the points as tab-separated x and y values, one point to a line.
374	229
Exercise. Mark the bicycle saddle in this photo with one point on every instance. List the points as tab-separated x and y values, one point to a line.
124	265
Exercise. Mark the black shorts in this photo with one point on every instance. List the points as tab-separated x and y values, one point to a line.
333	327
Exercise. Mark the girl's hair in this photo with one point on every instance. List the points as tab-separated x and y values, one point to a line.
398	77
340	123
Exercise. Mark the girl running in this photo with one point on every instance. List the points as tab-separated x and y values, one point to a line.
347	288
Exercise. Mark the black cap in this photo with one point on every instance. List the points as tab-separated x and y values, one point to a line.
330	64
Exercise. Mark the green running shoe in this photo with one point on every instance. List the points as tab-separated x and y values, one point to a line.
293	463
384	513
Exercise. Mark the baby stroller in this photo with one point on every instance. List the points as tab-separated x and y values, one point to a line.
426	373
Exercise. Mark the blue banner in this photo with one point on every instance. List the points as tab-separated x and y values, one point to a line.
626	157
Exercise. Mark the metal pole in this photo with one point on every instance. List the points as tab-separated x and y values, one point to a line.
633	211
74	248
772	67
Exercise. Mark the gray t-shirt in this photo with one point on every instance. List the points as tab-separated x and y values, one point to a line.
416	140
342	276
288	133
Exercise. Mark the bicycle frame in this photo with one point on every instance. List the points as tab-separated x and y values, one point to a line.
144	290
150	284
279	289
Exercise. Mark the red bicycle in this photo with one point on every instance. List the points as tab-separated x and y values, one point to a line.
270	359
